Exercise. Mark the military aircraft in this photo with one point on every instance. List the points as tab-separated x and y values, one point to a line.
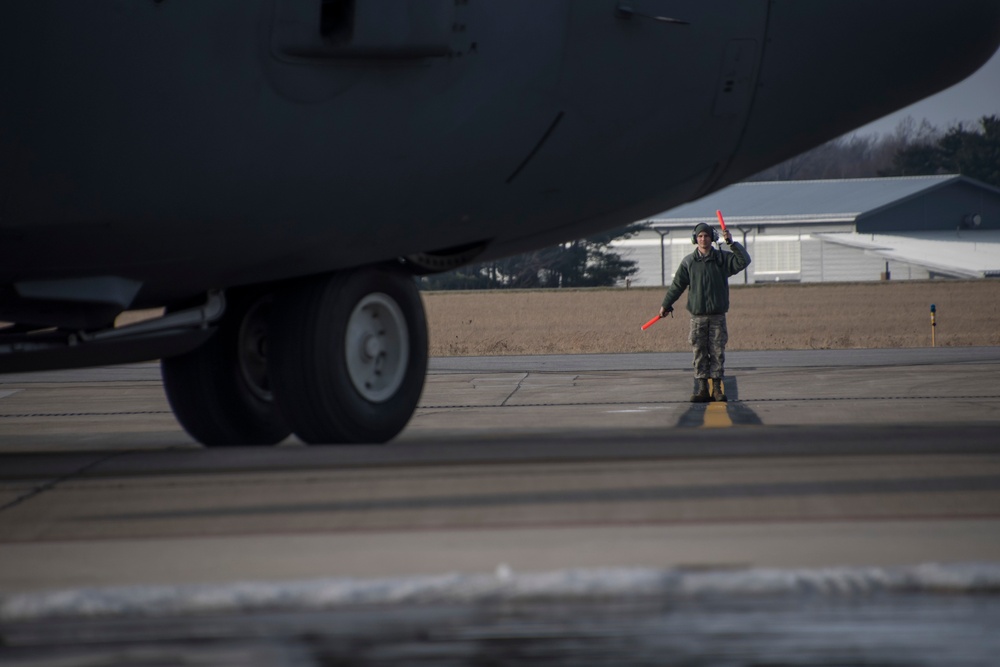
273	173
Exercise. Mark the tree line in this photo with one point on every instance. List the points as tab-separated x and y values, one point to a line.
913	149
588	262
970	149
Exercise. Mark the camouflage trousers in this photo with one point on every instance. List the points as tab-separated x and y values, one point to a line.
708	341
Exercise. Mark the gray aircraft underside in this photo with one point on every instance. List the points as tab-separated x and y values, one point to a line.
230	158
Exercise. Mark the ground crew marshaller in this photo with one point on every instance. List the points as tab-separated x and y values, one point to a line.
706	272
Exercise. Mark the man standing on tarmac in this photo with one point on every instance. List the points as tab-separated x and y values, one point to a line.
706	271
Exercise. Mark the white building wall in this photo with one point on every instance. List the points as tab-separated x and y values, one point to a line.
813	254
830	262
775	258
646	254
789	256
844	264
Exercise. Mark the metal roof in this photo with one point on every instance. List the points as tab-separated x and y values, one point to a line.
968	254
802	201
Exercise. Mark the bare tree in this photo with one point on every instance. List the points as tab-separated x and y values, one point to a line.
853	155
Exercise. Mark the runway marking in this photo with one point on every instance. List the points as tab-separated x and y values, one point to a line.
8	392
720	415
716	416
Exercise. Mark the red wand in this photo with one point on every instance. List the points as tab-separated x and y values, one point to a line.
721	221
650	323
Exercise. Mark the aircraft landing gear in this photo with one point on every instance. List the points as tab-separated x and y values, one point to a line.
337	358
348	355
220	392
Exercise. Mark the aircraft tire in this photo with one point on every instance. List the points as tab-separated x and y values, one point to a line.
220	392
349	355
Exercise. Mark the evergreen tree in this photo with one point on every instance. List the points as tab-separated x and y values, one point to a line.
972	152
915	160
589	262
976	153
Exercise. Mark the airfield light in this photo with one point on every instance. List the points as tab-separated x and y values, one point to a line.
933	324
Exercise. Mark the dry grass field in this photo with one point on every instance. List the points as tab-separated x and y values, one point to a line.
761	317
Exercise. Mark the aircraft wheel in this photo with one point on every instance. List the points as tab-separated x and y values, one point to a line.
220	392
349	355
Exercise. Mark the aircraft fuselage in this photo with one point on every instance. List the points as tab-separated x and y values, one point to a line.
226	159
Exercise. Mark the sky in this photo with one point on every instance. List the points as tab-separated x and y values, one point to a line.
969	100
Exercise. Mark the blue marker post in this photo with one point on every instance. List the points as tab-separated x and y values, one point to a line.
933	325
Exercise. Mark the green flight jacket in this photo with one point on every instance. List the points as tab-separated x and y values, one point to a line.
708	278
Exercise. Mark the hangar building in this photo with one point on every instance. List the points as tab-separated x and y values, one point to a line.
905	228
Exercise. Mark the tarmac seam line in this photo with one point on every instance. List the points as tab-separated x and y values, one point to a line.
865	399
52	483
519	383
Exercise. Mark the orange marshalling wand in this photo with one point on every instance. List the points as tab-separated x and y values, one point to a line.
650	323
721	221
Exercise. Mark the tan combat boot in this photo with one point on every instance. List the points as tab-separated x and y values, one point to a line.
718	390
700	394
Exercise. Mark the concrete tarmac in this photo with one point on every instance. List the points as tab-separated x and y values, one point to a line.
821	458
